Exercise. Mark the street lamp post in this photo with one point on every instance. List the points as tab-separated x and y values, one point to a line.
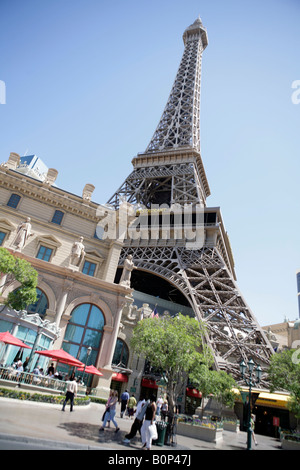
250	381
88	352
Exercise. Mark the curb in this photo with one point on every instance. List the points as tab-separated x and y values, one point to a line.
58	445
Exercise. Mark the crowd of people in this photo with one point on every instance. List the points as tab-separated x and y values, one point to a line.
39	374
144	413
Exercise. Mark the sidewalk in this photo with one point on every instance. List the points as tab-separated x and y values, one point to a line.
26	421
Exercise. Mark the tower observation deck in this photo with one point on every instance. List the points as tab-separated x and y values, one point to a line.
176	236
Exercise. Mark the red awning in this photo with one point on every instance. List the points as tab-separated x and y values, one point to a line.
149	383
193	393
90	370
60	355
7	338
119	377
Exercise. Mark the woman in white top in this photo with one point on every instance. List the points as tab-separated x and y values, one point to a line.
71	392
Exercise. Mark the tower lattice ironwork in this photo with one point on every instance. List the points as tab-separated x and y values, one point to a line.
170	173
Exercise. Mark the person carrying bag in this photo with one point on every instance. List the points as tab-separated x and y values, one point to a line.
153	432
110	416
107	408
137	423
148	434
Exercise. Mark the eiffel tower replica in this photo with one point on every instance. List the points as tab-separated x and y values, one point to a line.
170	173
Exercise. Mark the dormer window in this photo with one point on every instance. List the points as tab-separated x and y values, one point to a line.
44	253
92	263
6	227
14	201
47	246
89	268
57	217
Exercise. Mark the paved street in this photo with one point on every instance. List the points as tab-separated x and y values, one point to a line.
25	424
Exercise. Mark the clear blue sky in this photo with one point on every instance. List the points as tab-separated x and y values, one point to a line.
87	81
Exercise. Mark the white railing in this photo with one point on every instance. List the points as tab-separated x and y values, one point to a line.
11	376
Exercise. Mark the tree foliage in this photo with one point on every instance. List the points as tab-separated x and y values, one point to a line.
174	345
216	383
22	271
284	373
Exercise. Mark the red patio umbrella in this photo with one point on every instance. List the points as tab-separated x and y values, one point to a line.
90	370
60	355
8	338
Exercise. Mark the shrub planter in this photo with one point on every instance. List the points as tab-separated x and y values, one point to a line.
210	433
233	426
41	397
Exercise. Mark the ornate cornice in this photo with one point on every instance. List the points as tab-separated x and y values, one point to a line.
50	195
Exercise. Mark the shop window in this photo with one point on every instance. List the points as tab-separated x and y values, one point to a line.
28	336
5	326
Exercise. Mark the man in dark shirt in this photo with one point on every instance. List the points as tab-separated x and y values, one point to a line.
124	400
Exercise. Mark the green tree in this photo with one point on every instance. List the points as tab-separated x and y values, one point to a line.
174	345
203	379
216	383
22	271
284	373
224	385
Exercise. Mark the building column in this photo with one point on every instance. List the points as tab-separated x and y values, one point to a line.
61	304
115	332
112	261
108	344
34	347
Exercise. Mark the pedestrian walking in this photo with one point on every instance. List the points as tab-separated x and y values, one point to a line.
110	415
149	420
111	392
131	405
124	401
71	392
252	425
164	410
159	404
137	423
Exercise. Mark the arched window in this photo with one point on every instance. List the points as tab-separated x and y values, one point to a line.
85	328
121	354
41	305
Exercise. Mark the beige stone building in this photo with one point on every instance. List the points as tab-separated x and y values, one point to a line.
285	335
81	302
79	305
